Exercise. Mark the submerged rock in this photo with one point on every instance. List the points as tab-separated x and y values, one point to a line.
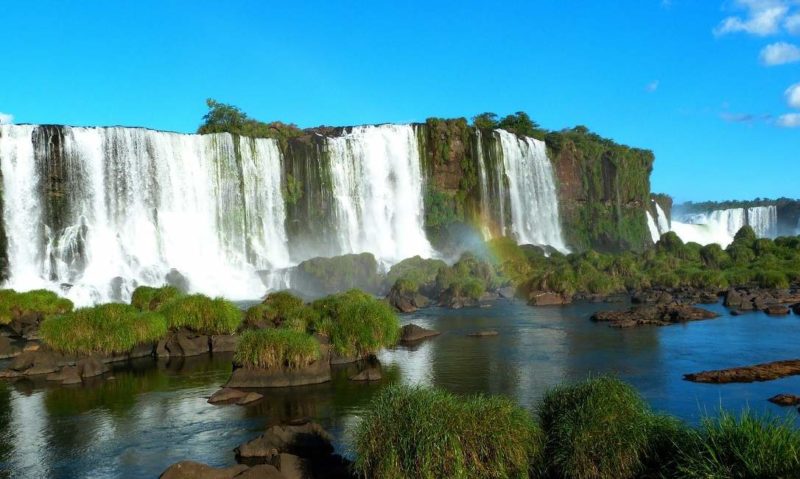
225	395
249	398
196	470
304	440
785	400
660	315
483	334
748	374
411	333
777	310
368	374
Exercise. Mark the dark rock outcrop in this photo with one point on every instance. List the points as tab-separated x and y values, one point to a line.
748	374
226	395
317	372
305	440
411	333
660	315
196	470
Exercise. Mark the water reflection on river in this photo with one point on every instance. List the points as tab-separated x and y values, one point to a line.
154	414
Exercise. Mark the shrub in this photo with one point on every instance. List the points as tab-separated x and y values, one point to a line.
417	270
42	301
276	348
772	279
108	328
357	323
744	447
146	298
411	432
595	429
202	314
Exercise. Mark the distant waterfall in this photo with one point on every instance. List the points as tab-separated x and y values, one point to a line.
662	221
532	191
655	234
720	226
377	187
106	209
486	209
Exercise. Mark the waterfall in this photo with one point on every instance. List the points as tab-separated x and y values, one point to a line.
720	226
763	220
531	190
655	235
662	219
128	206
377	189
486	211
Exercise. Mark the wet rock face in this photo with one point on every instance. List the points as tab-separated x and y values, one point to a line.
748	374
660	315
546	298
303	440
316	373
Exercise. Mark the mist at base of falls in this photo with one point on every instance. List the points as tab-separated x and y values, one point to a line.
92	213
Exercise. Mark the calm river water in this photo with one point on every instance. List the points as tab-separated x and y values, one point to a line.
154	414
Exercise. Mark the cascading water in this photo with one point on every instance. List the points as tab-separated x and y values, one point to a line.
486	210
655	235
136	204
377	187
662	220
532	191
720	226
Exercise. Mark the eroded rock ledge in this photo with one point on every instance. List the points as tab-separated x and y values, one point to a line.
657	315
748	374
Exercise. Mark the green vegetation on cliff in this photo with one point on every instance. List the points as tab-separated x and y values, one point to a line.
222	118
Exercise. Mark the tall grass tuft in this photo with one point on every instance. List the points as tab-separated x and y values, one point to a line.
276	348
742	447
202	314
146	298
281	309
596	429
411	432
108	328
42	301
357	323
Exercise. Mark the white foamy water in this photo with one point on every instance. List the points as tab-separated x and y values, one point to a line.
140	203
720	226
377	186
532	191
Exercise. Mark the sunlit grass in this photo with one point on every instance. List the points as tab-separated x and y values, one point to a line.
412	432
40	301
108	328
147	298
276	348
202	314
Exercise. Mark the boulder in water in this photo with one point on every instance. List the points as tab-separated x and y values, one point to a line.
225	395
785	400
547	298
748	374
411	333
308	439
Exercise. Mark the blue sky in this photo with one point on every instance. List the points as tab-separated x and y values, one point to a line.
703	83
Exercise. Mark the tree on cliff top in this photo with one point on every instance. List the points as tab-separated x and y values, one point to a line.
223	118
485	121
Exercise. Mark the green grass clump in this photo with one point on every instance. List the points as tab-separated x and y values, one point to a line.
202	314
276	348
595	429
281	309
106	329
743	447
146	298
41	301
411	432
357	323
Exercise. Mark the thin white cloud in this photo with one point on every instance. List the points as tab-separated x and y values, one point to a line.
764	17
652	86
789	120
793	95
792	24
780	53
732	117
6	118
